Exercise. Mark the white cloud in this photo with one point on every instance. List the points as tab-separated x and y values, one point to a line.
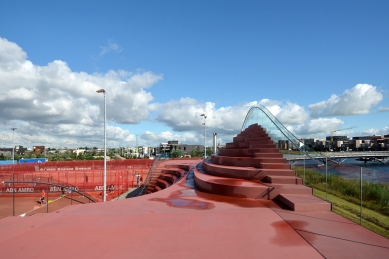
54	94
61	135
155	138
53	105
291	114
357	100
11	55
371	131
316	127
384	109
184	115
53	97
272	105
112	46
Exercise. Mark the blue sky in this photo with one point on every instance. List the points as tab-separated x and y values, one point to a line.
316	65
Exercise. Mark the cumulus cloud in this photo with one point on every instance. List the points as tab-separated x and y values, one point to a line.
320	126
54	94
289	113
53	98
11	55
184	114
372	131
358	100
53	104
165	136
65	135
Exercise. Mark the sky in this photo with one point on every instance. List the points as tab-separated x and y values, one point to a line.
316	65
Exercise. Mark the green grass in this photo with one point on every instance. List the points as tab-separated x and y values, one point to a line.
344	194
371	219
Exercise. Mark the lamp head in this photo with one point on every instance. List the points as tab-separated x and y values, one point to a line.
100	91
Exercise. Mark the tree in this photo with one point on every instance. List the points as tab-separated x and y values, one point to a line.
81	156
196	152
209	151
177	153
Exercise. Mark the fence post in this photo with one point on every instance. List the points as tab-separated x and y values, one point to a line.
117	182
304	163
361	198
47	198
13	191
326	181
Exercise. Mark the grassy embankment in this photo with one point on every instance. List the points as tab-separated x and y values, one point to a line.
344	194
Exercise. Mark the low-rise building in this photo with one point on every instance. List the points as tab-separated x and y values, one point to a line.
38	149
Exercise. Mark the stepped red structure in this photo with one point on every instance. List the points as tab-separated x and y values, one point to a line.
252	167
164	175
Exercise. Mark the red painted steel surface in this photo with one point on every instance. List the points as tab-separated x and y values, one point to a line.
180	222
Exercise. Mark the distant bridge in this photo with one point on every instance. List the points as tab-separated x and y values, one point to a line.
340	157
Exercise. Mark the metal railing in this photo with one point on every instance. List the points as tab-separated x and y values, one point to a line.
151	174
283	138
35	188
358	193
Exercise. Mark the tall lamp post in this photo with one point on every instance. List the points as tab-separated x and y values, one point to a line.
13	146
150	134
205	132
105	149
13	173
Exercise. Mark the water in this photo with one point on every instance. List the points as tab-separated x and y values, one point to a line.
351	169
378	166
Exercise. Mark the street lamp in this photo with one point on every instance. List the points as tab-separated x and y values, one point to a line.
13	172
105	149
205	147
13	146
149	143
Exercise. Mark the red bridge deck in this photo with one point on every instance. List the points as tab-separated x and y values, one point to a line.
180	222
